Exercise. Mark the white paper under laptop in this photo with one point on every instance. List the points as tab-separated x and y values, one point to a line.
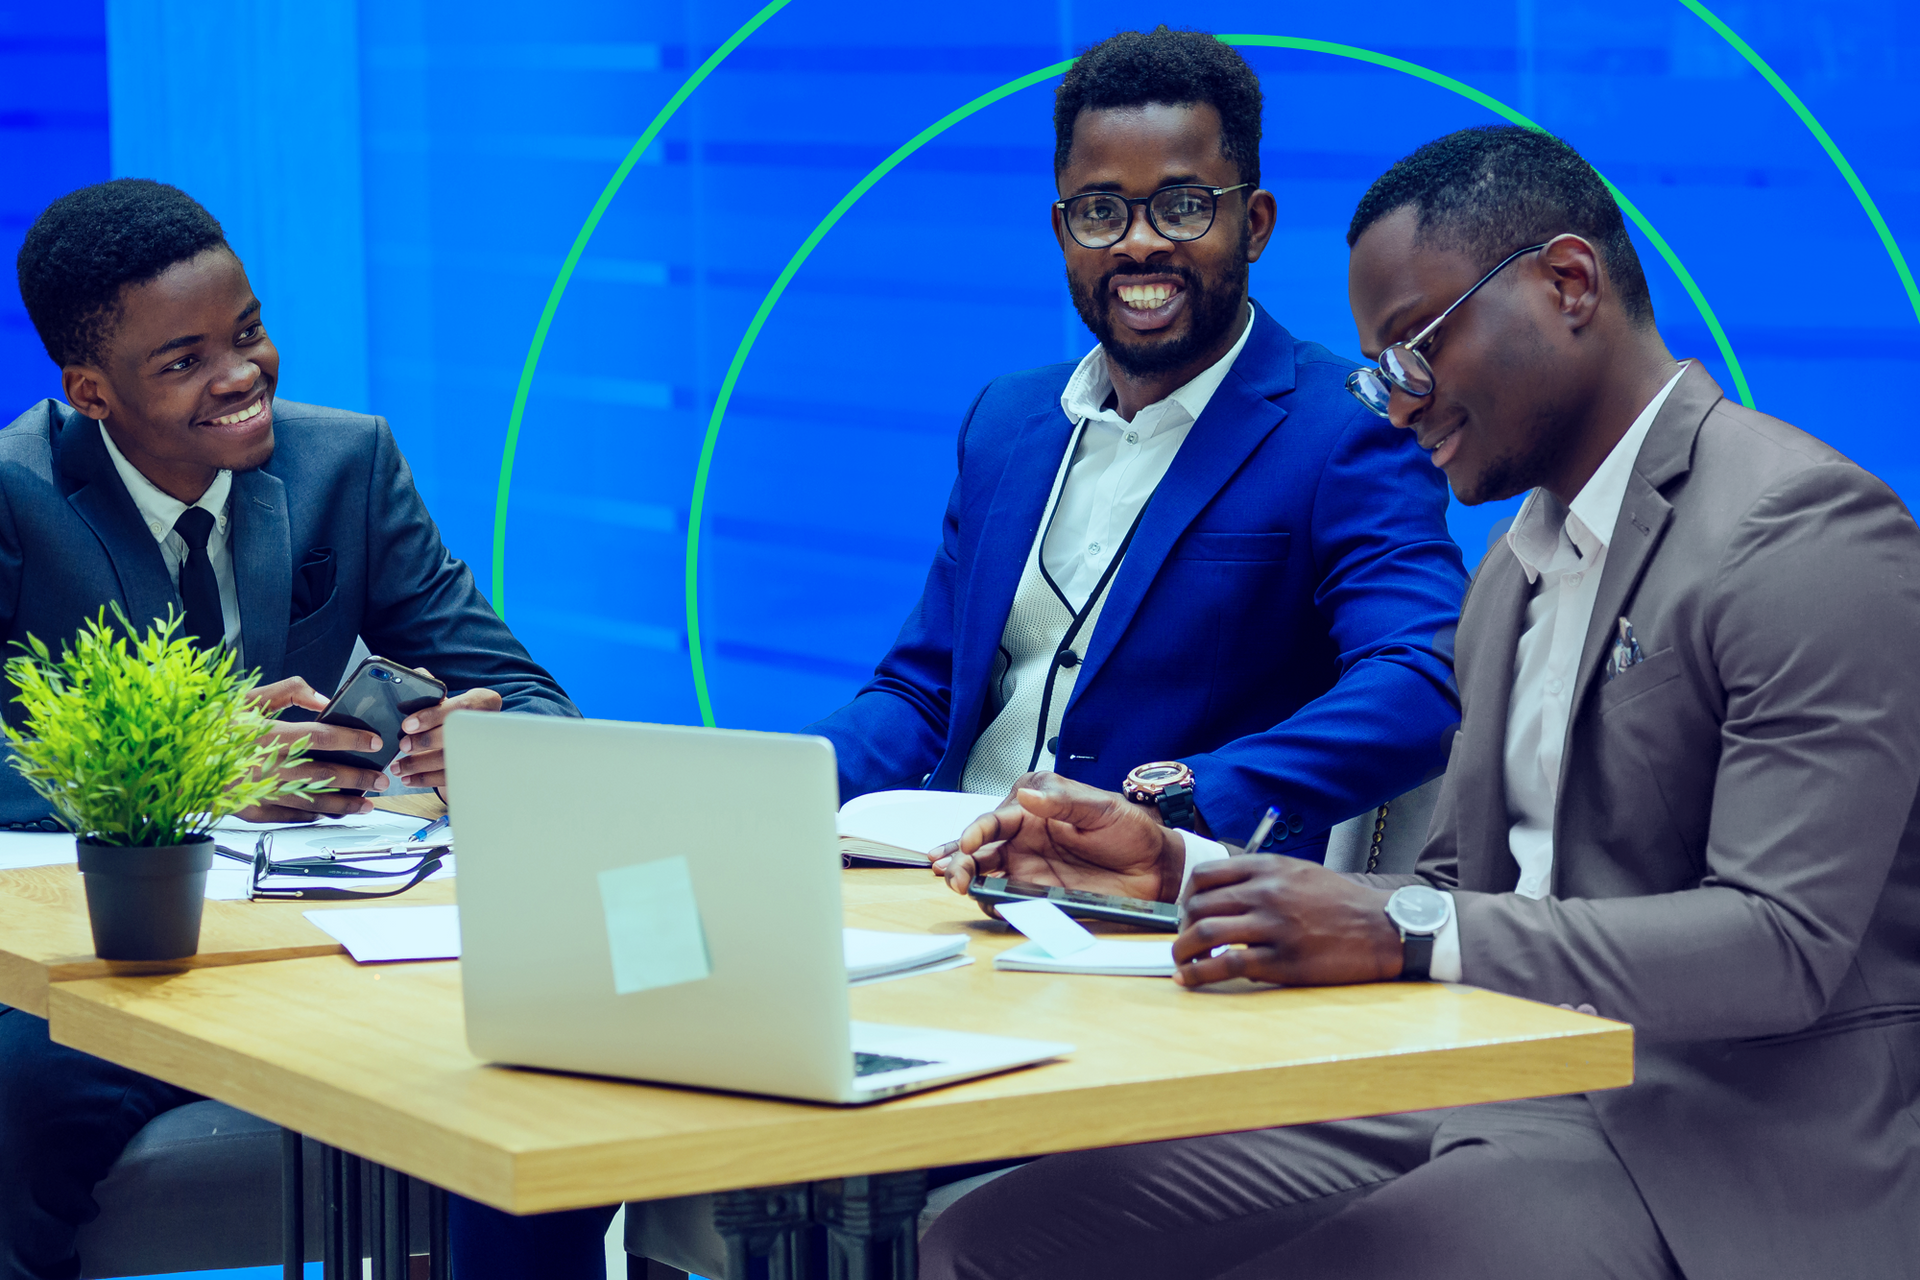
690	932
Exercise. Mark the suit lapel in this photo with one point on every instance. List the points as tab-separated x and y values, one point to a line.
1237	419
1000	557
102	500
262	569
1488	642
1665	454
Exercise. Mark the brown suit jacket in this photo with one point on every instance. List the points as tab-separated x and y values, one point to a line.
1736	852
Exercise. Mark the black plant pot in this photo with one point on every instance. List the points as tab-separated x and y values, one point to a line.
144	903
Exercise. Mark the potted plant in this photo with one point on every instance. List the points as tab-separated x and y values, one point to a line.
140	746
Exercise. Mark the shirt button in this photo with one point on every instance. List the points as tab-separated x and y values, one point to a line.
1555	685
1093	549
1068	658
1133	437
1053	746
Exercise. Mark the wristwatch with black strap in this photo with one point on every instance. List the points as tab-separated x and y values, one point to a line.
1419	912
1167	785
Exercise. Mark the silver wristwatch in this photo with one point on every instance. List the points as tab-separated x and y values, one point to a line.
1420	913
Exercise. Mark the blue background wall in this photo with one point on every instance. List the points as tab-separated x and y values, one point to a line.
404	180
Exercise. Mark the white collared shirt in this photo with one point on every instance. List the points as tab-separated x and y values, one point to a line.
1563	552
160	509
1117	465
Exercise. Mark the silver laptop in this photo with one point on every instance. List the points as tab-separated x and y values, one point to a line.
679	920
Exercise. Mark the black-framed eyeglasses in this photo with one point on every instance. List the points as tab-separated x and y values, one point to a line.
333	868
1101	219
1401	365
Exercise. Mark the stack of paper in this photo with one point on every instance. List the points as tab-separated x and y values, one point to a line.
1060	944
904	826
874	956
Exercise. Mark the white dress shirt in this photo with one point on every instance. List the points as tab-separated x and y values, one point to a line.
1117	465
1563	552
159	510
1104	484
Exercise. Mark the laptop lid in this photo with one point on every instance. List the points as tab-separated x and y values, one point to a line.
651	901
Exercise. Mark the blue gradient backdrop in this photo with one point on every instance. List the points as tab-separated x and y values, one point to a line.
404	179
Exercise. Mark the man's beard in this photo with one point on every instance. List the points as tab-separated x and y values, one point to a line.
1528	467
1212	312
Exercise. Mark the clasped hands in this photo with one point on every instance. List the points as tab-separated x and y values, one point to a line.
1279	919
422	761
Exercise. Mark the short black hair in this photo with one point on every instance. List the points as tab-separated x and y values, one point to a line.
1174	68
1493	189
92	243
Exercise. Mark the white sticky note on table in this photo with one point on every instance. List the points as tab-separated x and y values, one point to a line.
1058	933
653	926
375	934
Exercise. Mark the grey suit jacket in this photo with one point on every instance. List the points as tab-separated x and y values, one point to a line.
330	542
1736	853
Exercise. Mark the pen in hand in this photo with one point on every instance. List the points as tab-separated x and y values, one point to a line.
1258	838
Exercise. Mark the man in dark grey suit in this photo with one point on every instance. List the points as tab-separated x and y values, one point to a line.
1682	796
172	477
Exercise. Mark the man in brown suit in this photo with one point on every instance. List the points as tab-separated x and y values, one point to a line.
1682	796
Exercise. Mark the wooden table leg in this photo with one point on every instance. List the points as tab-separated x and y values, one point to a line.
293	1206
872	1224
766	1230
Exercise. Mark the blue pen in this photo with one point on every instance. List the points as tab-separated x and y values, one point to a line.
430	828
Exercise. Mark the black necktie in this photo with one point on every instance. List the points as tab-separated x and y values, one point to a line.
198	590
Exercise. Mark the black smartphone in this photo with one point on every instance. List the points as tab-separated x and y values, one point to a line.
1163	917
377	697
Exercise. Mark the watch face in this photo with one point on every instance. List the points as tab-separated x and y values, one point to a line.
1419	909
1158	775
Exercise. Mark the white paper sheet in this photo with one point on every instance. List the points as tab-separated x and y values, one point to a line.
33	849
374	935
917	821
876	953
1052	930
1112	957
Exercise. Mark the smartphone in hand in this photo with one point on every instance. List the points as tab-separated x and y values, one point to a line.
377	697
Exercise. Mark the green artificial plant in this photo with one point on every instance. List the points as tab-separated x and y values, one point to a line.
146	742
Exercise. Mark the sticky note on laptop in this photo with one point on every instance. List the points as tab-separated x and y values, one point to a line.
654	933
1056	932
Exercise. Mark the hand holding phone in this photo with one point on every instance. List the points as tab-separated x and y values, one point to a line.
379	697
310	735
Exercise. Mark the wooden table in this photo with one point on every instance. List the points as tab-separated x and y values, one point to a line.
45	937
373	1060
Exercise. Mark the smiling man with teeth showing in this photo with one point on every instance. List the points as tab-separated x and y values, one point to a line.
173	479
1192	549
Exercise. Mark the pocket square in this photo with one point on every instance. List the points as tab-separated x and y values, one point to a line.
1626	650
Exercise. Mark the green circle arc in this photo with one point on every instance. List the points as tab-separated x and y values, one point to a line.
719	55
697	507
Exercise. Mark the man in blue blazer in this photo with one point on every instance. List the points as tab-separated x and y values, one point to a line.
173	478
1276	613
1192	548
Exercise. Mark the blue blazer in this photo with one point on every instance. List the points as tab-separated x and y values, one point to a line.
1283	621
330	542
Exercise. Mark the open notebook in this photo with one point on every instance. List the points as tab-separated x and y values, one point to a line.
902	827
